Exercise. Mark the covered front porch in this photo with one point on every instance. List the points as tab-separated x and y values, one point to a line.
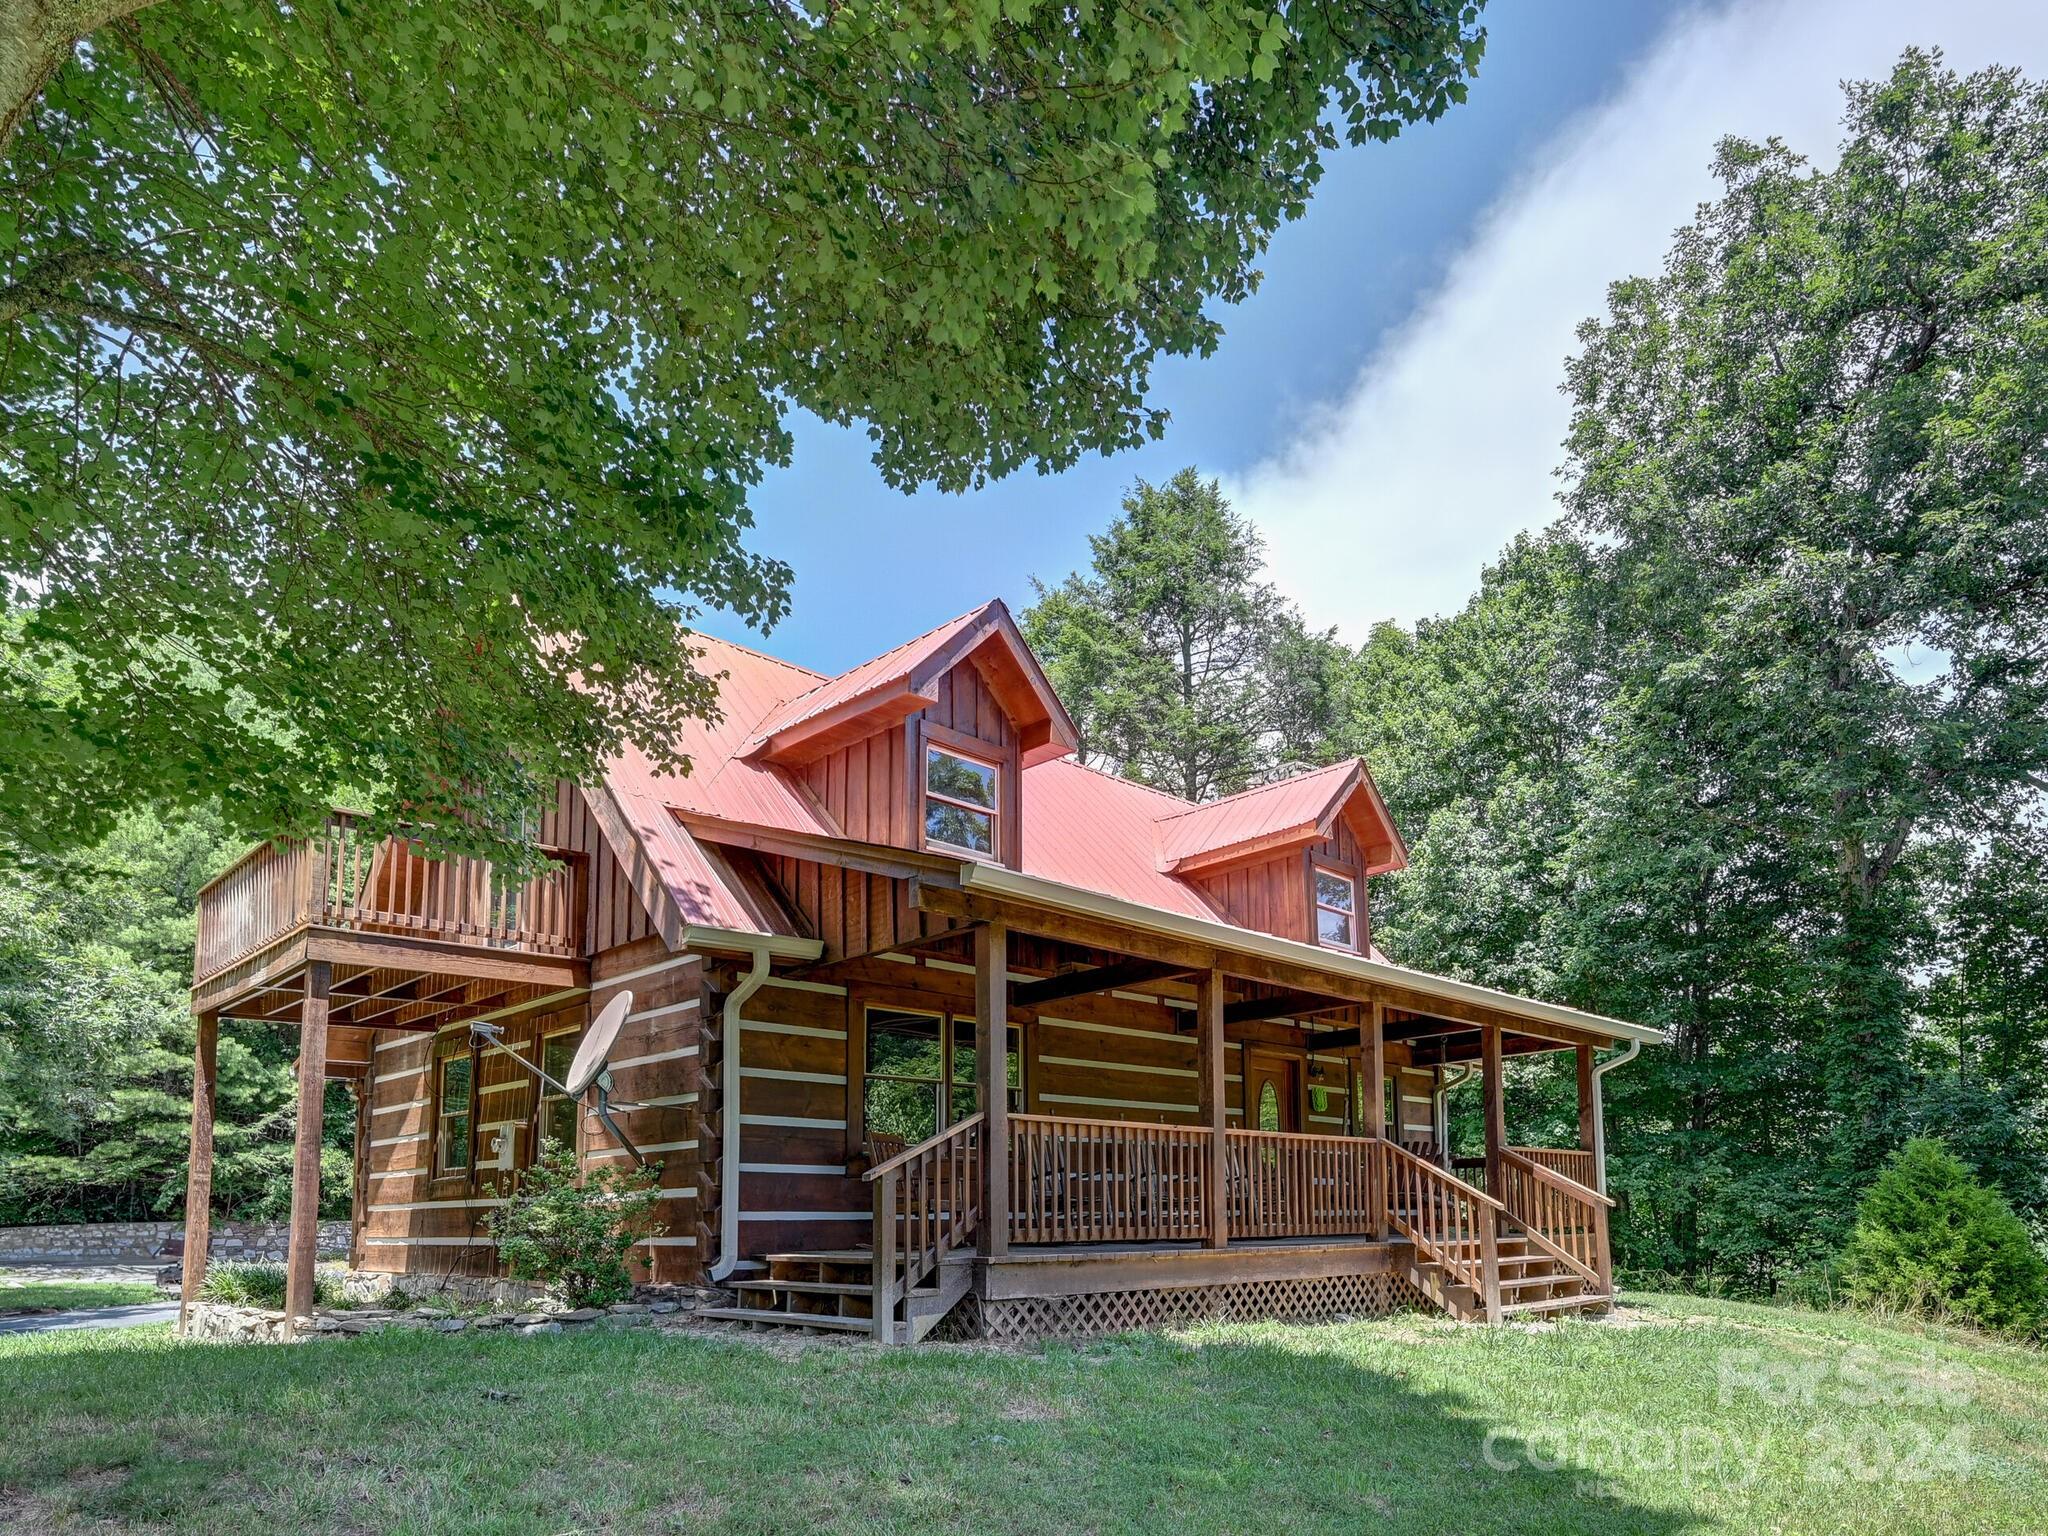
1024	1212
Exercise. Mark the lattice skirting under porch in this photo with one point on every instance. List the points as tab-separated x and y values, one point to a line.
1069	1317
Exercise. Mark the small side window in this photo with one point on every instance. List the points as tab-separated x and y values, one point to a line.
557	1111
451	1116
1336	909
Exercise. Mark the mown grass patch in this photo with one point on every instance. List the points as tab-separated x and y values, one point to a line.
1696	1416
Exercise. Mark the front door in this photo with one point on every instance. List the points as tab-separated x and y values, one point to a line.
1272	1091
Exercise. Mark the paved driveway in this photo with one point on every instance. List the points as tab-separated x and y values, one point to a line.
165	1311
93	1317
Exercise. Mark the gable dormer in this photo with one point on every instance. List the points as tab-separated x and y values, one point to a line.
1290	859
925	746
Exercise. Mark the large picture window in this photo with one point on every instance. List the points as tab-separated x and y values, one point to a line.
1336	898
451	1114
905	1066
907	1091
962	800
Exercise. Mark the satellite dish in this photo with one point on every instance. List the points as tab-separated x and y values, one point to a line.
597	1044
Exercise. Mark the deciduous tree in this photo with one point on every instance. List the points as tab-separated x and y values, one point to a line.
380	386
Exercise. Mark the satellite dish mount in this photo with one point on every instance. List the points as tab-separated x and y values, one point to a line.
588	1069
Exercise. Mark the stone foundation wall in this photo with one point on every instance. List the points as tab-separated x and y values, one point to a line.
138	1242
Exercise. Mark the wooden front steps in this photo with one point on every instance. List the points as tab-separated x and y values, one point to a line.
834	1289
1532	1283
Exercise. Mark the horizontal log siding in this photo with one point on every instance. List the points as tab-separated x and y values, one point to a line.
665	1024
417	1224
414	1223
794	1087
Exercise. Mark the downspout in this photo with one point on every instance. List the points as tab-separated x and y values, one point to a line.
729	1117
1600	1070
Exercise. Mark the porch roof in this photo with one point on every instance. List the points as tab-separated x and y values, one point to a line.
1461	996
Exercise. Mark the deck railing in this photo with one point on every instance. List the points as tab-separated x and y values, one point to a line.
1575	1163
927	1202
1106	1181
343	877
1287	1185
1565	1219
1450	1223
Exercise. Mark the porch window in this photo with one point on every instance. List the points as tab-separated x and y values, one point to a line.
451	1115
961	797
907	1091
1336	909
966	1093
905	1073
557	1110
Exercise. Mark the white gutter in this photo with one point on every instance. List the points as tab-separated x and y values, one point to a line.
1600	1070
775	945
995	880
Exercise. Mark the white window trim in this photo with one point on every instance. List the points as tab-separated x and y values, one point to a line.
1317	904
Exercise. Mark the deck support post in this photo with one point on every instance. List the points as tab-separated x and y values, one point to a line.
992	1073
1496	1113
199	1163
1212	1104
1371	1068
1588	1135
304	1241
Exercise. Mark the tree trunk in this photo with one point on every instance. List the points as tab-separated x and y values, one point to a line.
36	38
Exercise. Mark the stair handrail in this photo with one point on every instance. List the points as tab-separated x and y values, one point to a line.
927	1202
1450	1223
1565	1219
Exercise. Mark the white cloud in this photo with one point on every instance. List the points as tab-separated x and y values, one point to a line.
1388	502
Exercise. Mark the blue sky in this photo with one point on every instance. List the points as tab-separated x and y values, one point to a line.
1386	407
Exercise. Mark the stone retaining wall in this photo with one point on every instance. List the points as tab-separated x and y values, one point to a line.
257	1325
137	1242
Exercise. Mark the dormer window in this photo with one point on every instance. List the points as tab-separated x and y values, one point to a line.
961	800
1336	898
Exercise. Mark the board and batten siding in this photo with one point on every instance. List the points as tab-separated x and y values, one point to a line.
1272	896
873	791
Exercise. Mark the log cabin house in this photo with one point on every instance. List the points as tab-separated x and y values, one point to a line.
930	1026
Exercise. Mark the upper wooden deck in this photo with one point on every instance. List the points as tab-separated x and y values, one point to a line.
403	940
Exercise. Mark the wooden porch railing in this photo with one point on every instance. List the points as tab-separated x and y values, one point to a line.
927	1202
1449	1222
1575	1163
1287	1185
1565	1219
341	877
1105	1181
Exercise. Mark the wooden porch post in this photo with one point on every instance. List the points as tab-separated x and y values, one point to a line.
1496	1113
199	1163
991	1066
1586	1131
1213	1103
1372	1069
304	1241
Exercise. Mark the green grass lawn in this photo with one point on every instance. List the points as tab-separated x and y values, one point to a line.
1705	1416
21	1293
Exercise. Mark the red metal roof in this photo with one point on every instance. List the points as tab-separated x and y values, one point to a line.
892	669
1301	808
1096	831
1081	827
